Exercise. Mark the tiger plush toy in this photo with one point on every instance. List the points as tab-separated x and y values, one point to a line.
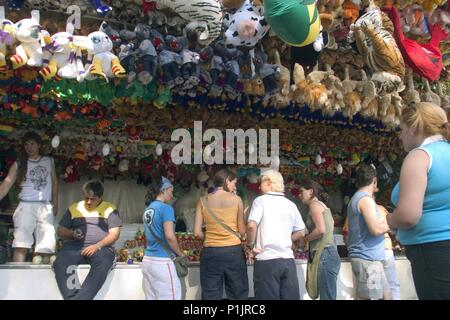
209	11
372	33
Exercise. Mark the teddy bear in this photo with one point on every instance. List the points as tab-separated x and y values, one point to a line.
245	27
147	54
63	56
190	68
101	61
269	73
31	39
127	57
170	60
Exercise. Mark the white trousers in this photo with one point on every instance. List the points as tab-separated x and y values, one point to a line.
160	279
391	274
34	218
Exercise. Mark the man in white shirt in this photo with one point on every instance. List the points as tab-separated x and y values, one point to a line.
274	223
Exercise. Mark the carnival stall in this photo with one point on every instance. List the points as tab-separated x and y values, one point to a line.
106	83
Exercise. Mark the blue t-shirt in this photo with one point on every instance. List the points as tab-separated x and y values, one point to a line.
361	243
434	225
154	217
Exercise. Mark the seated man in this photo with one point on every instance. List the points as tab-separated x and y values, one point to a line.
89	229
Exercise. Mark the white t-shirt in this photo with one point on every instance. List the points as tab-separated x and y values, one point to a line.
277	218
37	186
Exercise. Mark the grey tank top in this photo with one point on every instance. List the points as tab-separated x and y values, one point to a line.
327	237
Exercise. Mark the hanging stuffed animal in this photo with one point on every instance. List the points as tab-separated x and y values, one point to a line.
31	38
6	39
189	69
372	34
296	22
101	9
246	27
104	63
424	59
269	73
209	11
148	56
170	60
64	56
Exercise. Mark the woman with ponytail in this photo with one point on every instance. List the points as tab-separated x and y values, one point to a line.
160	279
422	199
320	225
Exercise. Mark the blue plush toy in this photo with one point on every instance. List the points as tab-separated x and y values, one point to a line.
102	10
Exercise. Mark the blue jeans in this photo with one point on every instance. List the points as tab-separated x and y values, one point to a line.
329	266
219	265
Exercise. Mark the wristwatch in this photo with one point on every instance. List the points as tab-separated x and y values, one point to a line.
99	247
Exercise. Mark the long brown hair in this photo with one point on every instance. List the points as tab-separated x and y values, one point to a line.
22	157
317	189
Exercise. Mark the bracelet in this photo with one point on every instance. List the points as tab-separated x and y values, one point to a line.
250	246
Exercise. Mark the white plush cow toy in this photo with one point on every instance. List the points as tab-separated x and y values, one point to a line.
104	63
31	38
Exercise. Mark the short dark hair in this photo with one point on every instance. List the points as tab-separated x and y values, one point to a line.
94	188
221	177
31	136
365	175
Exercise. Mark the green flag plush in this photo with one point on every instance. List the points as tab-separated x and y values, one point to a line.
296	22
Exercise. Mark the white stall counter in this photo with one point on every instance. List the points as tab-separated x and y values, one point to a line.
37	282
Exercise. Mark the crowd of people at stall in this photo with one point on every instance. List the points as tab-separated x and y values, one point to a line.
272	227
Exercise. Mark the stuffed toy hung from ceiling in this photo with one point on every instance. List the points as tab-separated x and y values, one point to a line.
296	22
247	26
424	59
372	33
208	11
62	57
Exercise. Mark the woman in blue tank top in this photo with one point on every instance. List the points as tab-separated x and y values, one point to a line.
422	199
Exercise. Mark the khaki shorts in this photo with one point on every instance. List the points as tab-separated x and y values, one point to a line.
37	218
370	280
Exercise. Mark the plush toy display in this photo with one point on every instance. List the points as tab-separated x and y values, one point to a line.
372	34
100	8
104	63
63	56
31	38
6	39
296	22
247	26
424	59
269	73
209	11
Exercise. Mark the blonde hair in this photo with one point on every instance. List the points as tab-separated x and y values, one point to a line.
276	178
428	119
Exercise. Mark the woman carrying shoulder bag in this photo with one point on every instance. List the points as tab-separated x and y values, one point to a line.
222	258
160	279
320	224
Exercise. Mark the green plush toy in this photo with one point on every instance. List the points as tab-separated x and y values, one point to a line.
296	22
